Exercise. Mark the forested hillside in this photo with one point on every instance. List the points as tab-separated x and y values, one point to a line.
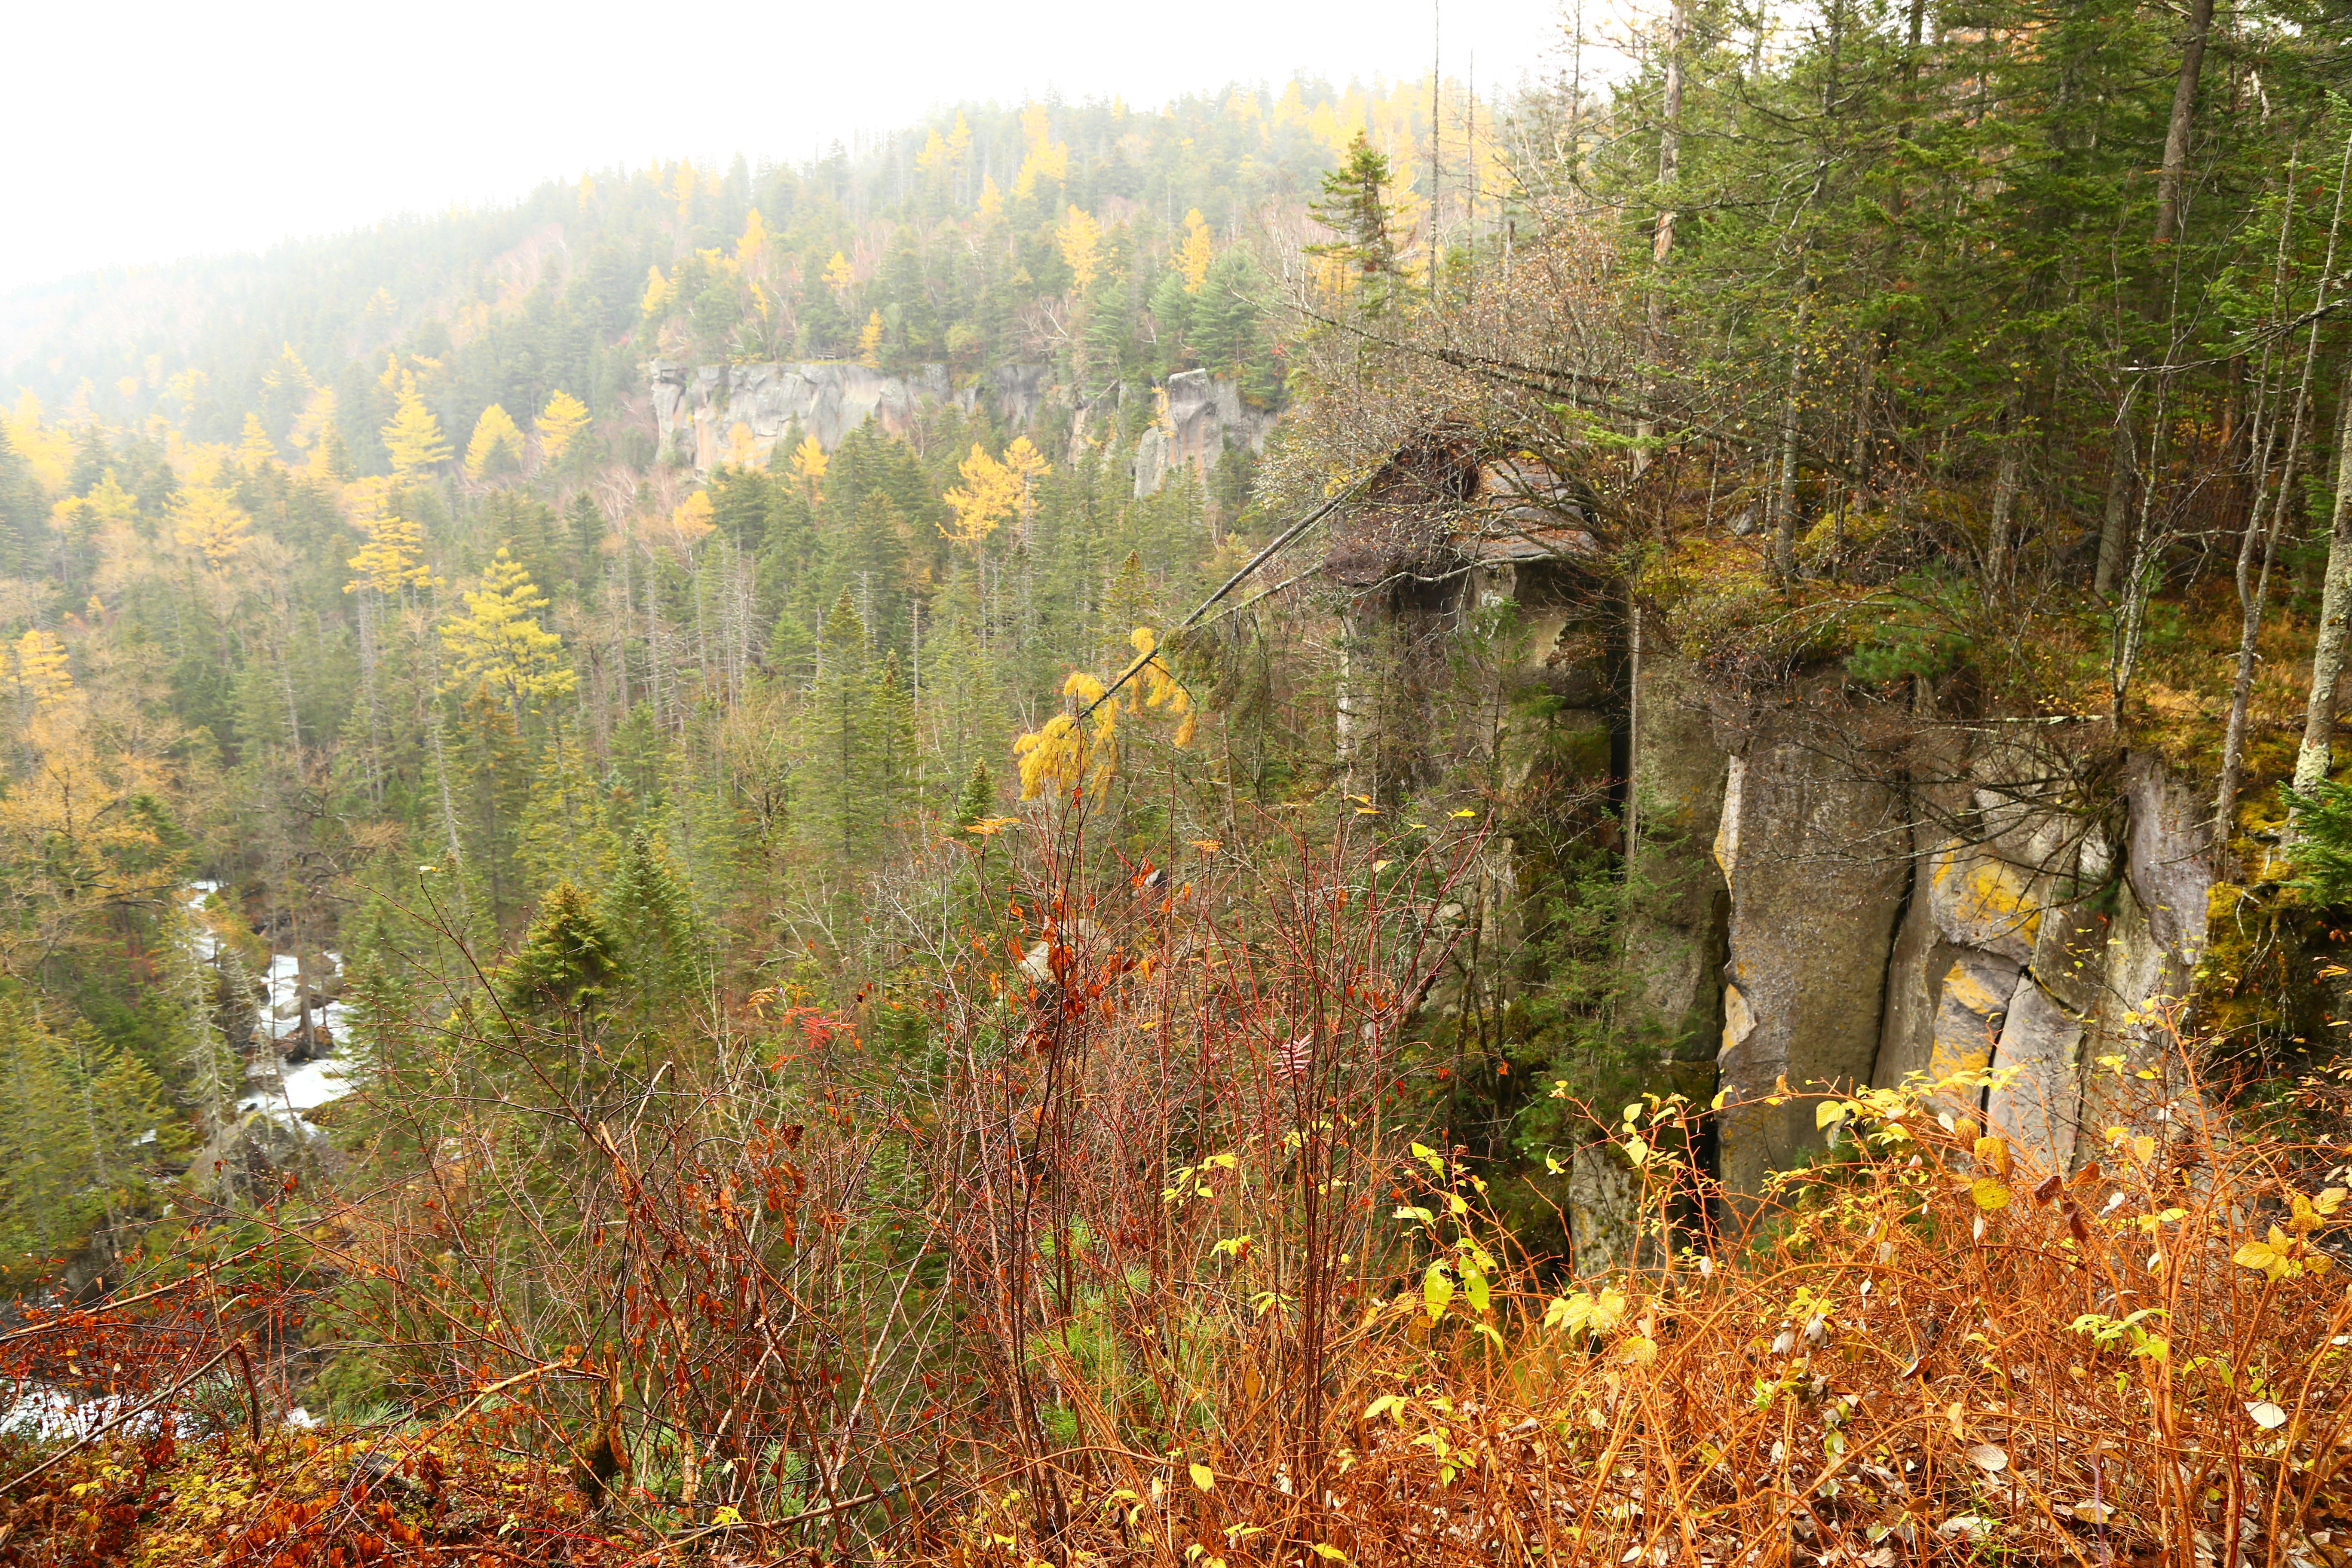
361	554
1314	826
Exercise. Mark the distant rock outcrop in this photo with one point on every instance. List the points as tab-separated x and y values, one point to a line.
1202	418
1197	420
697	407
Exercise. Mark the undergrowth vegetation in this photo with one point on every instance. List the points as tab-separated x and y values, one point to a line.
1140	1261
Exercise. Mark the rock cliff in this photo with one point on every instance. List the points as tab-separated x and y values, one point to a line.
1201	417
1196	418
1828	883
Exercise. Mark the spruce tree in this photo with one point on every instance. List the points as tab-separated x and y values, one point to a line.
1355	204
585	529
567	969
838	758
22	515
657	936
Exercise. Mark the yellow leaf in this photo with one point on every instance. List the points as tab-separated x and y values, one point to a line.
1203	1478
1993	1152
1330	1552
1436	1289
1988	1193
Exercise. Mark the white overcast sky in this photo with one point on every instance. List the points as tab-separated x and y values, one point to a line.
143	132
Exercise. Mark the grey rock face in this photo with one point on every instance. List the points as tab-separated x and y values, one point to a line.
698	407
1202	417
1813	911
1675	922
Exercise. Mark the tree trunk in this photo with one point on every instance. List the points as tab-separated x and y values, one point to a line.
2311	764
2115	528
2184	116
2006	482
1784	481
2250	598
1662	238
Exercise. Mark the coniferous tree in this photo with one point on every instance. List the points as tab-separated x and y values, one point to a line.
839	740
567	968
1355	204
657	936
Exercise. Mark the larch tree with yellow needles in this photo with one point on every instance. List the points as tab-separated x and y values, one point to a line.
751	245
1198	252
742	447
413	436
808	467
392	562
497	642
693	519
558	424
985	499
209	522
254	449
994	491
1081	239
41	671
1082	743
497	445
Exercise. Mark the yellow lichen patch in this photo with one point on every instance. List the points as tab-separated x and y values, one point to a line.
1990	897
1964	1035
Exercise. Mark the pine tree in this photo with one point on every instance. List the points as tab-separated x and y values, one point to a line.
566	834
491	777
585	528
839	737
1355	204
897	762
21	511
1172	321
976	802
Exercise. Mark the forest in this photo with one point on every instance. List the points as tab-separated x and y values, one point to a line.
1328	825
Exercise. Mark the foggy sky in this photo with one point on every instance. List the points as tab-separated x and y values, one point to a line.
145	131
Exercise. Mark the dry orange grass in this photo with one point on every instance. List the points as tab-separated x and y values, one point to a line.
1928	1351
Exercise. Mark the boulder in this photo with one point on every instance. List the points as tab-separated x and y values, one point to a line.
250	1157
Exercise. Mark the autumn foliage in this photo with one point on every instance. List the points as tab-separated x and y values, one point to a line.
1142	1264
